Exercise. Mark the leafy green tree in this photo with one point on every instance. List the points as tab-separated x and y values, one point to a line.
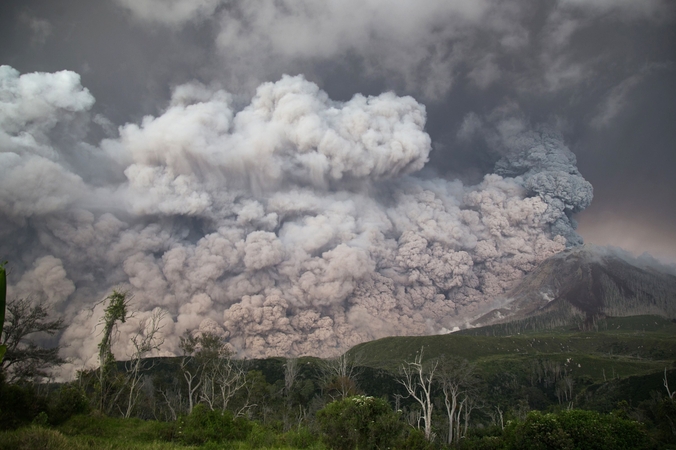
360	422
115	311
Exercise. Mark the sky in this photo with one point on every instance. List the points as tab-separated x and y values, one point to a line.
387	101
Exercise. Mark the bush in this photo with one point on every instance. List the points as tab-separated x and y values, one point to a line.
66	402
19	405
538	432
130	430
665	419
203	425
360	422
261	437
415	440
33	438
594	431
575	429
300	438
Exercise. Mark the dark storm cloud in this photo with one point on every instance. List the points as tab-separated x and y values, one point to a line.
285	216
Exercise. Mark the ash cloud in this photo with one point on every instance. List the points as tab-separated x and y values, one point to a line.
425	48
294	225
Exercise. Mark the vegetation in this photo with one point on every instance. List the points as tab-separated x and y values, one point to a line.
606	387
360	422
24	360
115	311
3	302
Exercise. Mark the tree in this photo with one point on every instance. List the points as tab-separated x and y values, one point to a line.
115	311
665	381
24	359
144	342
3	300
340	374
417	379
290	375
212	376
191	371
456	377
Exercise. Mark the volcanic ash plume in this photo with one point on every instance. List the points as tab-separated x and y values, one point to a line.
290	226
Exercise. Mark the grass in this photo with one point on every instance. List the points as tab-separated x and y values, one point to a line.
106	433
101	432
34	437
130	430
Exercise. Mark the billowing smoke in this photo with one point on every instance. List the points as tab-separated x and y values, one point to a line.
292	226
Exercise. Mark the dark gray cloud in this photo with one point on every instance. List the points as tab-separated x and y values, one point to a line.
295	217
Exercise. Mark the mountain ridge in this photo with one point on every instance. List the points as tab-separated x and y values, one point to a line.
582	285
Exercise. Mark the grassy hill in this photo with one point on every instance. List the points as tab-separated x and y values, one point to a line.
621	347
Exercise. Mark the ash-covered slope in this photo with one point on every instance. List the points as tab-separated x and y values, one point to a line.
583	284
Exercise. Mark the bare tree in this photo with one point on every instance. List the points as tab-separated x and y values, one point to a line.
500	416
230	378
340	374
212	376
145	341
417	379
290	374
190	369
564	388
456	377
471	403
24	359
173	400
666	386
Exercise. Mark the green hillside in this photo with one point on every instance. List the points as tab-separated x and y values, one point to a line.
621	347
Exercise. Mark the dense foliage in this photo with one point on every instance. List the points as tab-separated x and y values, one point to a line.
360	422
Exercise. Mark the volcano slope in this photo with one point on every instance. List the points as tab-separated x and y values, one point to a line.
590	314
579	286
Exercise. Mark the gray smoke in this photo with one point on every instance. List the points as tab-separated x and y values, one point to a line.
291	226
424	47
547	168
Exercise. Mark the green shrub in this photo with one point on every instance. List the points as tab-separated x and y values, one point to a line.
19	405
575	430
360	422
593	431
127	430
665	419
33	438
415	440
203	425
538	432
261	437
41	420
300	438
67	401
